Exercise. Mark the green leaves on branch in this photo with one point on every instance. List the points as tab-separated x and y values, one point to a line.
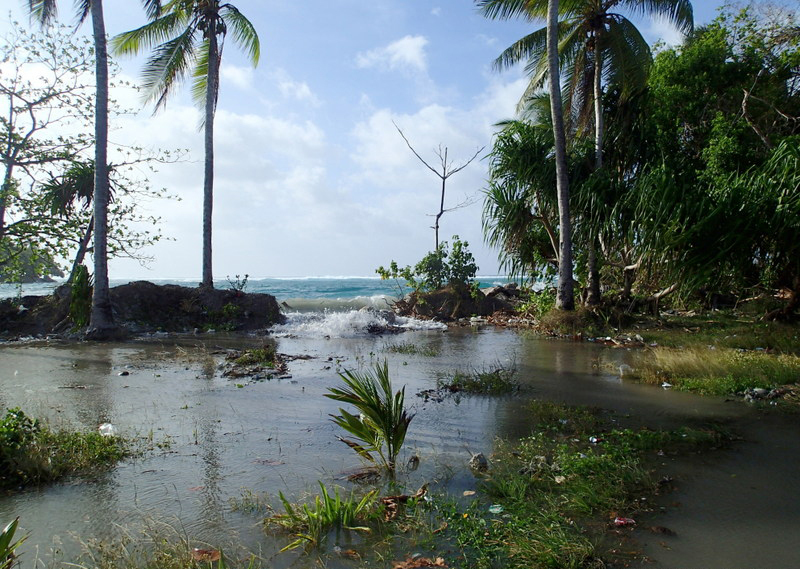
434	271
381	425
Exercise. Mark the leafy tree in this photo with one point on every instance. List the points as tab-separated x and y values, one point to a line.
434	271
716	200
48	176
101	324
189	35
597	44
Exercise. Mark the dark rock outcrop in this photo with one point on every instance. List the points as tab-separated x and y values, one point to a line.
449	304
142	306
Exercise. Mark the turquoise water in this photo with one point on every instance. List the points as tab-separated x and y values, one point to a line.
292	290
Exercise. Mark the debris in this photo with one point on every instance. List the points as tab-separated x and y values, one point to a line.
209	555
469	492
495	509
124	373
392	503
560	479
107	430
479	462
620	522
595	440
666	385
661	530
416	562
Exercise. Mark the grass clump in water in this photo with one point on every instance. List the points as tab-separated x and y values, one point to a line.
264	356
718	371
310	524
410	349
491	380
550	498
31	453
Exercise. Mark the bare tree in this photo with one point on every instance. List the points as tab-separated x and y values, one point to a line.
447	170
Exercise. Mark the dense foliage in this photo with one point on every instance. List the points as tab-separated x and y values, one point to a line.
698	192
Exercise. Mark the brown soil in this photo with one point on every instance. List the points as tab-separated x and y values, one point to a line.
141	307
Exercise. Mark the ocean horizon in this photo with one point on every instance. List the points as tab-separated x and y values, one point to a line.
303	293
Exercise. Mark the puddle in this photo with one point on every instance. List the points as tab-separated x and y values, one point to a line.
213	439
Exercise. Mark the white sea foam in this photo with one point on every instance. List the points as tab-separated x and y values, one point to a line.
351	324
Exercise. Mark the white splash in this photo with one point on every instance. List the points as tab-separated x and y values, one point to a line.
350	324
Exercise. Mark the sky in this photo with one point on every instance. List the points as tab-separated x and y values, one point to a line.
312	177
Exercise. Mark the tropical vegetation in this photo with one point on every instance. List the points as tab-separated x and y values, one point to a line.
382	422
188	36
695	192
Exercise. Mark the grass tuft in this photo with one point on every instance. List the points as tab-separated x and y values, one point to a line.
490	380
32	454
718	371
309	524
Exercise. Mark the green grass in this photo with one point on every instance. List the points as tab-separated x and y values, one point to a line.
490	380
408	348
557	492
310	524
725	330
264	356
721	371
32	453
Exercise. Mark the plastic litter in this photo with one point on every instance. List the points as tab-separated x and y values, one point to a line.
666	385
107	430
496	509
595	440
624	521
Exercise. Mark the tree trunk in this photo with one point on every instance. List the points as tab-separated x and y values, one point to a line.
593	296
101	323
208	182
82	248
565	297
593	288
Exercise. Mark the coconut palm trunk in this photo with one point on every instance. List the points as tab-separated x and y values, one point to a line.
593	285
208	182
565	297
101	322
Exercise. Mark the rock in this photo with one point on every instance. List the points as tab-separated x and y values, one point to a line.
479	462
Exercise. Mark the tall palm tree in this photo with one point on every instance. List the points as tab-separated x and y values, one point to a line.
597	44
184	35
101	322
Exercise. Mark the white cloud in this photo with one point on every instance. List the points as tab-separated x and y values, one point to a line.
241	77
660	29
297	90
437	11
405	54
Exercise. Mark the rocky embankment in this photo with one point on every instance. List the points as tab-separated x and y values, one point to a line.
141	307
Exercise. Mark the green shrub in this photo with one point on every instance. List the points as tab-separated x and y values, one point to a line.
434	271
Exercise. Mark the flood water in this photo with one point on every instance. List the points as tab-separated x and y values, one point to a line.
214	438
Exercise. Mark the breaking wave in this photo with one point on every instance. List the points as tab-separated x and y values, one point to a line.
349	324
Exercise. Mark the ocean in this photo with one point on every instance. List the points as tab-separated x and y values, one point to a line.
326	306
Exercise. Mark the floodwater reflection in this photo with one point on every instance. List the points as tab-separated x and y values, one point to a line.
212	438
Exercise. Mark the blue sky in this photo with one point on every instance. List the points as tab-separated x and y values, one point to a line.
312	177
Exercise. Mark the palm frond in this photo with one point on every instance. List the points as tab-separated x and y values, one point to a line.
243	33
200	76
677	12
43	11
158	31
167	66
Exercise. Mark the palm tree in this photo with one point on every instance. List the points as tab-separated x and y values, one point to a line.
101	323
596	44
190	34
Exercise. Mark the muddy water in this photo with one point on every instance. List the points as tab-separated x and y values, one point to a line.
212	439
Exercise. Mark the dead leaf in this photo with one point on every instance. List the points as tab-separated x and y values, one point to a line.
411	563
469	492
206	554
